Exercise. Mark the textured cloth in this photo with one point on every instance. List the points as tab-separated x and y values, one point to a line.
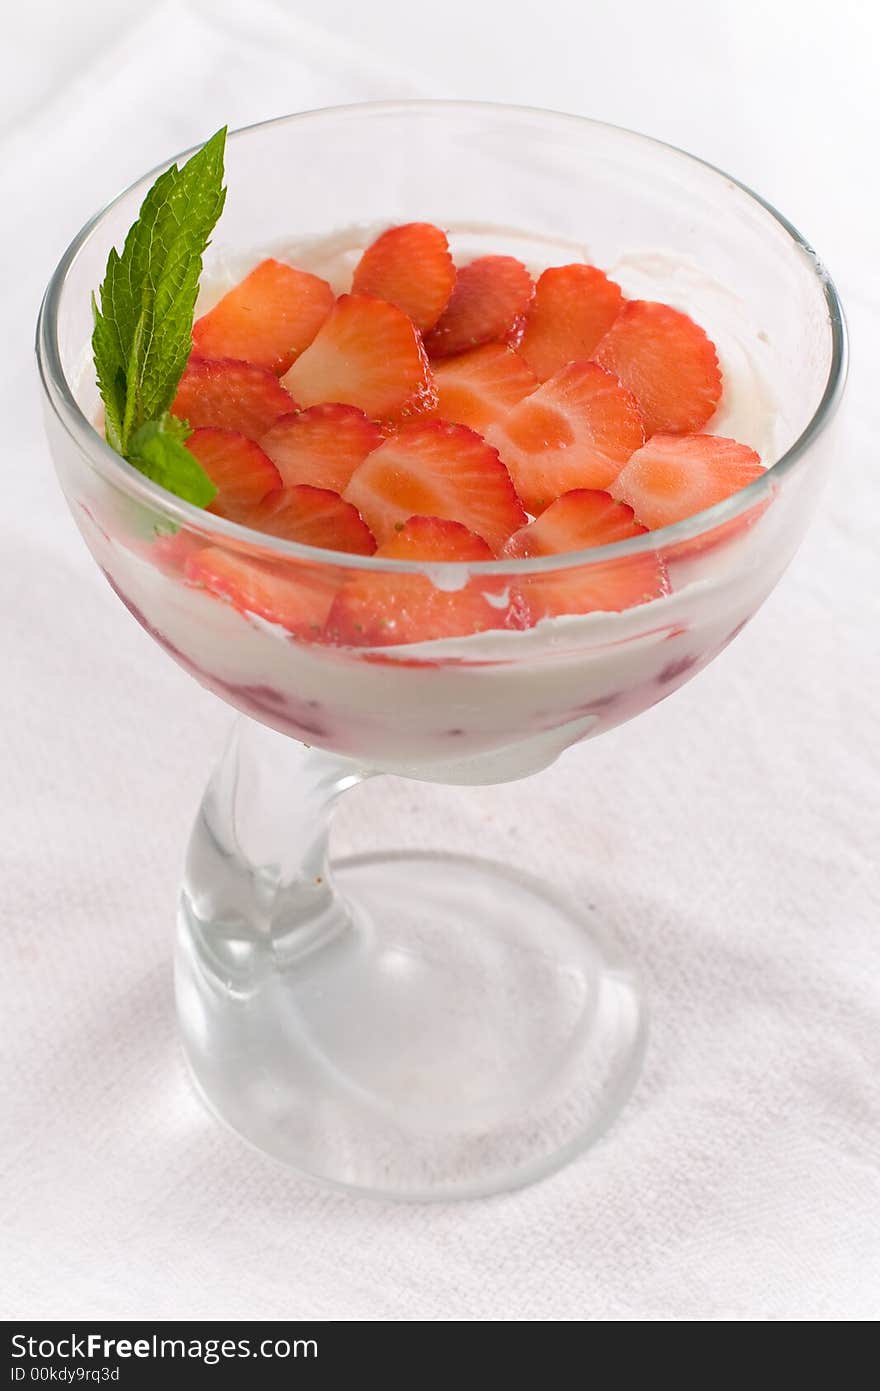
725	838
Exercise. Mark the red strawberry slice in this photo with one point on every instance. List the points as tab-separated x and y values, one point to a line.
575	431
577	521
297	596
674	476
667	362
409	266
230	395
242	474
574	522
268	318
170	552
434	469
487	305
366	354
374	609
322	445
574	306
314	517
479	387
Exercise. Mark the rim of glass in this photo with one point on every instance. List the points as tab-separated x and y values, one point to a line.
116	471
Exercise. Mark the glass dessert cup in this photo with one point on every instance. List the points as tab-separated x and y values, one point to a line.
423	1025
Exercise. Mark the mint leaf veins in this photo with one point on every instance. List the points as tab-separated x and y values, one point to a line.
143	324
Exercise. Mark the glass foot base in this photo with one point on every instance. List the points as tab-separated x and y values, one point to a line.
455	1031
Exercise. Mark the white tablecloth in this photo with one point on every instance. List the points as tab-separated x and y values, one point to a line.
726	836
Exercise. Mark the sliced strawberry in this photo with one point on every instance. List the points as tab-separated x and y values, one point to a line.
574	306
575	431
479	387
434	469
314	517
674	476
297	596
574	522
230	395
667	362
374	609
578	521
268	318
607	586
366	354
242	474
409	266
322	445
490	297
169	552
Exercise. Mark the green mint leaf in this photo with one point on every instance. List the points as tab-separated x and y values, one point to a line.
130	420
158	449
143	325
111	377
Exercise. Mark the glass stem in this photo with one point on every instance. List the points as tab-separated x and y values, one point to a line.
257	869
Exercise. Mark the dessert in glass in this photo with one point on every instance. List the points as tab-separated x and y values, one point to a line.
422	1025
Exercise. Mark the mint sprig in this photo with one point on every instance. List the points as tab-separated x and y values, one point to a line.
159	450
143	325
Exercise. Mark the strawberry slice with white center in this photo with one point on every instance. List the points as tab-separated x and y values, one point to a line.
322	445
366	354
578	520
313	517
374	609
575	431
673	476
295	595
573	308
268	318
487	305
479	387
409	266
230	395
581	520
667	362
242	474
435	469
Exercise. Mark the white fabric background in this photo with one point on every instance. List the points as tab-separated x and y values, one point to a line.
727	836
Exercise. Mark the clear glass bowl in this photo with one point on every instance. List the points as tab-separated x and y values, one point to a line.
412	1026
